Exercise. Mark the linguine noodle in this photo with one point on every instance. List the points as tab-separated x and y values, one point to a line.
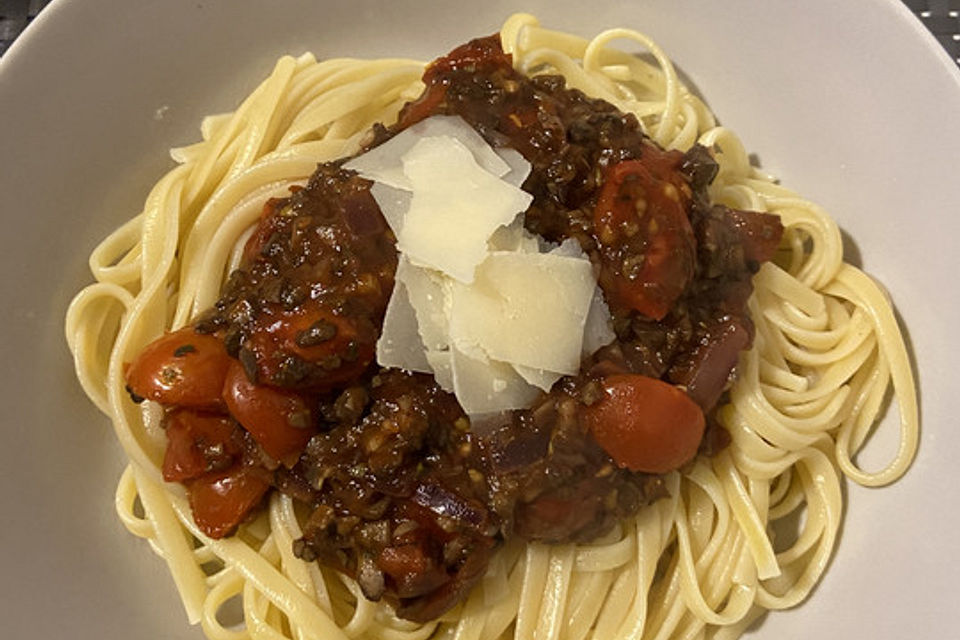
701	563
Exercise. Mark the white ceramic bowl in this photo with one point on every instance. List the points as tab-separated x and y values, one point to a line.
853	104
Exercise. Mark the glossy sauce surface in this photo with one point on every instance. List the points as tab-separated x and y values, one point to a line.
402	492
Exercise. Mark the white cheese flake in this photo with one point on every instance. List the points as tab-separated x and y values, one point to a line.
598	329
526	309
440	362
393	203
382	163
514	237
495	313
538	377
456	207
488	386
519	167
400	345
425	289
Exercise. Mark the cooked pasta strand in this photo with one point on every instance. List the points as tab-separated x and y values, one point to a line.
701	563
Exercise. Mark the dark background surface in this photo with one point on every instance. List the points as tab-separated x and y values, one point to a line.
941	17
15	15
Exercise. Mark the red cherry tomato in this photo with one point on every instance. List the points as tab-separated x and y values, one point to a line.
317	336
647	245
481	54
258	239
423	107
280	421
196	444
645	424
222	499
183	368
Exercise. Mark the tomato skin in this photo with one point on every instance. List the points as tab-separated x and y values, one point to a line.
423	107
264	229
183	368
645	424
278	420
477	55
341	357
641	212
220	500
196	444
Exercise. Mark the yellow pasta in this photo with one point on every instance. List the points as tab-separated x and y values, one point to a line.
700	563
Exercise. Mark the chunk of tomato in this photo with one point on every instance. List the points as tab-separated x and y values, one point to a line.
266	227
481	54
645	424
279	420
647	245
196	444
183	368
341	347
220	500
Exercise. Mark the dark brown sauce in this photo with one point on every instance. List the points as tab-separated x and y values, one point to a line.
402	493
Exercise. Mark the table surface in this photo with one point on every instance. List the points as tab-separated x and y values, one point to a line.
941	17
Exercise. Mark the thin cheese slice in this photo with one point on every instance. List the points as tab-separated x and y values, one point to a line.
526	309
569	248
399	344
598	329
540	378
393	203
519	167
488	386
514	237
425	289
442	365
383	163
496	313
456	206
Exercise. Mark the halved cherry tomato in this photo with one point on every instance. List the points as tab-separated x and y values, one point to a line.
423	107
336	344
647	245
645	424
196	444
222	499
183	368
479	54
265	228
280	421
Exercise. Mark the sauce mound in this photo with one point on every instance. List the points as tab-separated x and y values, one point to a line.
277	387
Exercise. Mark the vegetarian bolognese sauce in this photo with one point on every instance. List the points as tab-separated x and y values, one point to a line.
277	386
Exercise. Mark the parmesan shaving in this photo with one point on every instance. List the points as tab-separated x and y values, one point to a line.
382	163
456	206
425	289
527	309
487	386
495	313
400	345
